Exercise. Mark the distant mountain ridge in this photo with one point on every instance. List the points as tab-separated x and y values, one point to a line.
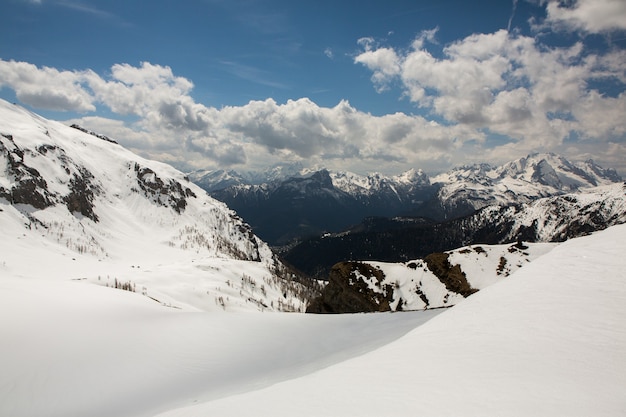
282	206
473	187
548	219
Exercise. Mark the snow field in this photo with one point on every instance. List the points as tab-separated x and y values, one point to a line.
75	349
548	341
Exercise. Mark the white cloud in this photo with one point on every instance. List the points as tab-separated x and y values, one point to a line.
46	88
384	64
592	16
535	97
153	93
510	85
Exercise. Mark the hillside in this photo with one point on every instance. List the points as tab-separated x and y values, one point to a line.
548	340
75	206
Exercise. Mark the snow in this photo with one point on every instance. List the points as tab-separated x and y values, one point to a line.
74	349
195	259
520	181
483	265
549	340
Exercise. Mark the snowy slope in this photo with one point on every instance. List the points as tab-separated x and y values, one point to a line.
75	349
548	341
438	280
89	209
416	287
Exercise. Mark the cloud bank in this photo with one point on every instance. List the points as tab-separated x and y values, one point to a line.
168	124
489	96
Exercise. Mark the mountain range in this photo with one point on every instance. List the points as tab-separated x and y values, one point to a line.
401	239
282	206
93	211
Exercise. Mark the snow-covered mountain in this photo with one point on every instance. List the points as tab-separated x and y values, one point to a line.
287	207
548	219
321	201
269	180
91	210
548	340
219	179
469	188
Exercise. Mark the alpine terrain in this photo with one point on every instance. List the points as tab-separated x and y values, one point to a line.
113	269
85	208
287	203
403	239
548	340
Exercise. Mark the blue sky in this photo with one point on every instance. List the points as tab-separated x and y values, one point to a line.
363	86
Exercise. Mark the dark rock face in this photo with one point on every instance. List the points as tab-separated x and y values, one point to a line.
348	292
81	196
29	186
358	287
92	133
298	207
168	194
451	275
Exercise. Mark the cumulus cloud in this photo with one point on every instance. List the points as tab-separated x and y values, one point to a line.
592	16
47	88
301	129
508	84
489	96
164	122
384	63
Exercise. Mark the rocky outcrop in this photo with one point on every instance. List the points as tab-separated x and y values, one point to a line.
451	275
164	193
29	187
82	193
353	287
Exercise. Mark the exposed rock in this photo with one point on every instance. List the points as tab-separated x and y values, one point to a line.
29	186
451	275
80	198
349	290
92	133
169	194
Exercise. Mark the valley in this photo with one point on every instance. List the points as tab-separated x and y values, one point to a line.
126	289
